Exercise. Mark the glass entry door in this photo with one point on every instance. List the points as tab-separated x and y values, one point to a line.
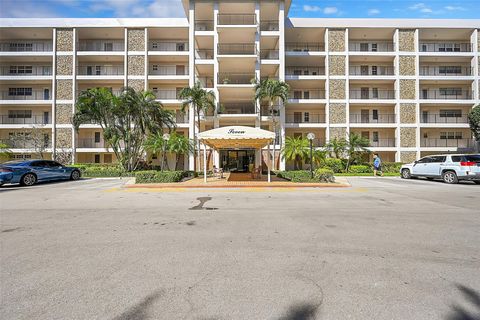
237	160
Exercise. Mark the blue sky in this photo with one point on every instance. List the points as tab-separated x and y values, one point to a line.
300	8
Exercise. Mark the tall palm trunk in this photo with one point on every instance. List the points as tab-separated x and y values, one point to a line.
275	132
198	140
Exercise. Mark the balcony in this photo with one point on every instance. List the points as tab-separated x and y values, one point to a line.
237	49
237	19
26	46
372	118
307	94
304	47
204	25
237	108
26	143
33	119
236	78
180	117
446	94
206	82
382	143
90	143
372	94
170	46
269	54
101	45
158	70
269	25
115	70
445	71
360	46
447	143
26	95
25	71
445	47
306	117
166	94
204	54
372	71
304	71
452	117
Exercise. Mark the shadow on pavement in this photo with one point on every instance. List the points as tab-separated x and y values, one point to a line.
140	310
302	311
460	313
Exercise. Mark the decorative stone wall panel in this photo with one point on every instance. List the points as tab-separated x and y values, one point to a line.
408	156
137	84
336	40
64	90
406	40
408	113
64	39
337	89
407	65
338	113
63	138
408	137
64	65
407	89
336	65
338	133
136	39
136	65
63	113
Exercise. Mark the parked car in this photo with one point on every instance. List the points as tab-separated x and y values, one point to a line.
451	168
29	172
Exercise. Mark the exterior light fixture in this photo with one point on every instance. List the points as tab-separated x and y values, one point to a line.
311	137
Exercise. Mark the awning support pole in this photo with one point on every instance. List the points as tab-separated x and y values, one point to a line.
269	163
204	163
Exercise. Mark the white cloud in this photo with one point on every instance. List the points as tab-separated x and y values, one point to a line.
308	8
423	8
330	10
372	12
454	8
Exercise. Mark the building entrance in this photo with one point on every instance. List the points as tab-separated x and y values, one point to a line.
237	160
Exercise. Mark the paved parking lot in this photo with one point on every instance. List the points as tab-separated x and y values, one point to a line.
385	248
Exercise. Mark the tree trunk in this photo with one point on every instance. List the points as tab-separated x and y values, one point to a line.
198	140
275	132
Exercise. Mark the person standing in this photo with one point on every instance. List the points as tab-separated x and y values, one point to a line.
377	165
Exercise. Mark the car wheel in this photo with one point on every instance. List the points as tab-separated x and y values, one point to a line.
450	177
406	174
28	180
75	175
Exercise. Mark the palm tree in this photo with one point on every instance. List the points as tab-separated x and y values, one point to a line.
155	144
200	100
272	90
336	147
296	149
356	145
179	145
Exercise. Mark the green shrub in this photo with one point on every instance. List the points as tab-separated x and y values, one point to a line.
360	169
324	175
153	176
391	167
336	165
104	171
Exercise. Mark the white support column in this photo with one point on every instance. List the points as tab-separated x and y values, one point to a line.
327	88
191	67
204	163
396	65
74	94
216	120
281	72
269	162
417	92
54	92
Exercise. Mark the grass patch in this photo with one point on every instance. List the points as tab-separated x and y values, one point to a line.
351	174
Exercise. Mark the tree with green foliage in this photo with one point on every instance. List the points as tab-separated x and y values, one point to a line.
5	153
296	149
179	145
272	90
474	122
126	120
356	147
336	147
201	101
156	145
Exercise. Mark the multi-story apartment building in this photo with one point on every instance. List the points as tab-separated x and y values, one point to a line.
407	85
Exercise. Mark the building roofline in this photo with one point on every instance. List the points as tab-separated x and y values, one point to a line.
380	23
92	22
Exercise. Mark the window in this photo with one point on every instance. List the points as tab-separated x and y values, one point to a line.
306	117
297	94
374	70
450	70
363	46
451	135
450	91
97	137
24	114
466	158
98	70
155	67
306	95
425	160
154	45
375	136
375	114
97	158
438	159
374	47
19	91
22	156
450	113
375	93
39	164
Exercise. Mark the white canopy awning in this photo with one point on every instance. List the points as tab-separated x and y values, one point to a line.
236	137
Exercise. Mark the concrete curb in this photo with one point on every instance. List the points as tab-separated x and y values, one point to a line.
232	186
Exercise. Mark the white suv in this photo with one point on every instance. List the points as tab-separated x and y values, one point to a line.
450	167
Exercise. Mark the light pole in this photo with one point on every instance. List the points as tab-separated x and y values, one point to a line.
165	137
310	137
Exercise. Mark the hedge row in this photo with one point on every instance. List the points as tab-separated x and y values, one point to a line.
320	175
152	176
339	166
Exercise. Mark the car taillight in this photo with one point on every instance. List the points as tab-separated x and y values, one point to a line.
468	163
5	170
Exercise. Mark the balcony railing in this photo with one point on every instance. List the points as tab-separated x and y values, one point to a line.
25	143
33	95
443	118
371	46
160	45
204	25
445	71
304	46
304	71
269	54
100	70
382	143
269	25
204	54
445	47
265	110
371	118
34	119
432	94
166	94
237	49
168	71
181	117
237	19
372	94
26	46
101	45
236	78
372	71
301	118
90	143
25	71
307	94
206	82
447	143
237	108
